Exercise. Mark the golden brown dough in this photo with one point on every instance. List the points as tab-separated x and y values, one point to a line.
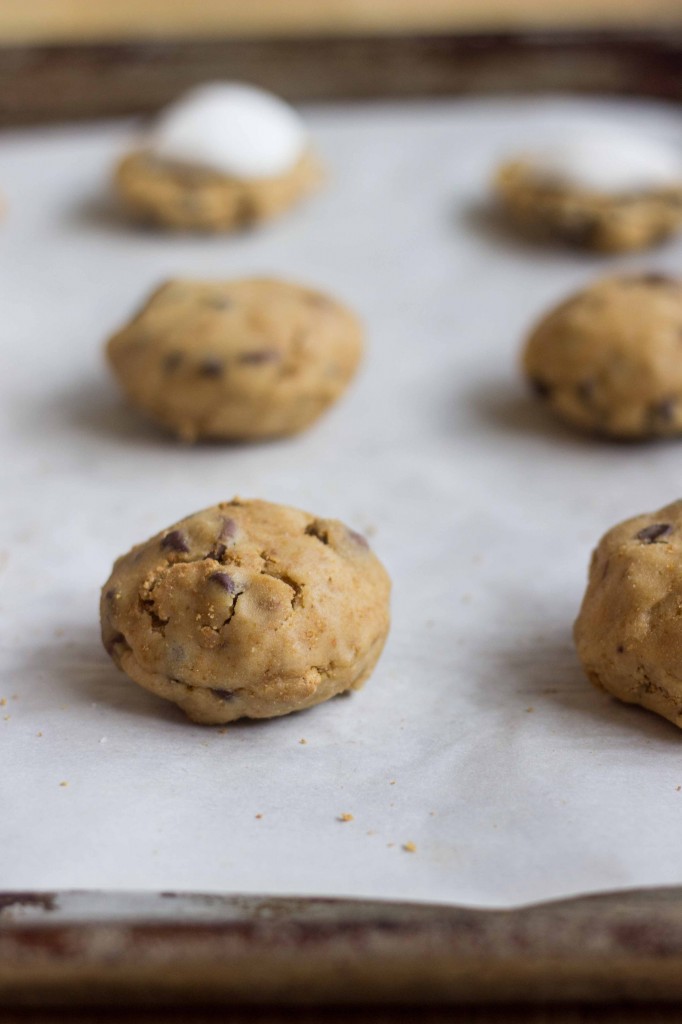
247	609
236	360
188	198
585	219
628	632
609	359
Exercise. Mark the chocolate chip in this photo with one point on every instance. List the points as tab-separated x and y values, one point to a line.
175	541
579	230
228	532
664	410
117	638
266	355
585	391
540	387
223	694
318	530
110	594
357	538
229	529
620	649
172	361
650	534
655	279
218	302
211	367
225	581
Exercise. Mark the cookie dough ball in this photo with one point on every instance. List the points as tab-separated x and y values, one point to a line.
628	632
225	156
236	360
601	191
247	609
609	360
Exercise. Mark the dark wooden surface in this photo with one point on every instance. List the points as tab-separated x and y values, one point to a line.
53	83
623	1014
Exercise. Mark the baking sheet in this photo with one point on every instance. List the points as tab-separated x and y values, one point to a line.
477	739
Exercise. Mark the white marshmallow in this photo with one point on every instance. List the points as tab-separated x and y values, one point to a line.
608	162
232	128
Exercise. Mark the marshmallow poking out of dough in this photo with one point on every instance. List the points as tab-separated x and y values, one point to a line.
599	189
611	163
231	128
223	156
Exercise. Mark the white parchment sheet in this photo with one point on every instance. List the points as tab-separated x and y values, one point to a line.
478	738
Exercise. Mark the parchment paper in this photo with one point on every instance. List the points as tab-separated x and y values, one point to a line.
477	739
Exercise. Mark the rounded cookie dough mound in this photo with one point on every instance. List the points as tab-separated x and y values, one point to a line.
628	632
223	156
188	198
237	360
599	189
247	609
554	211
609	360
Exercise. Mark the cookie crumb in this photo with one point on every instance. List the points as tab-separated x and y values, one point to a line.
259	816
392	782
302	741
409	848
63	785
7	718
3	702
39	734
528	710
345	817
678	788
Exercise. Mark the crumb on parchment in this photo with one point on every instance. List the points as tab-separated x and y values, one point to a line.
345	817
409	847
63	785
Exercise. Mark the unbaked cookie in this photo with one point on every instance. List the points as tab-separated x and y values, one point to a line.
199	199
602	190
236	360
247	609
628	632
609	359
224	156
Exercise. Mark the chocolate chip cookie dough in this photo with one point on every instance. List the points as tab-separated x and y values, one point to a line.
223	156
628	632
236	360
188	198
609	359
247	609
608	191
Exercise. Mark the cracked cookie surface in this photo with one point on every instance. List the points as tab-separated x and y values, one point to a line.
247	609
609	359
236	360
585	219
628	633
188	198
